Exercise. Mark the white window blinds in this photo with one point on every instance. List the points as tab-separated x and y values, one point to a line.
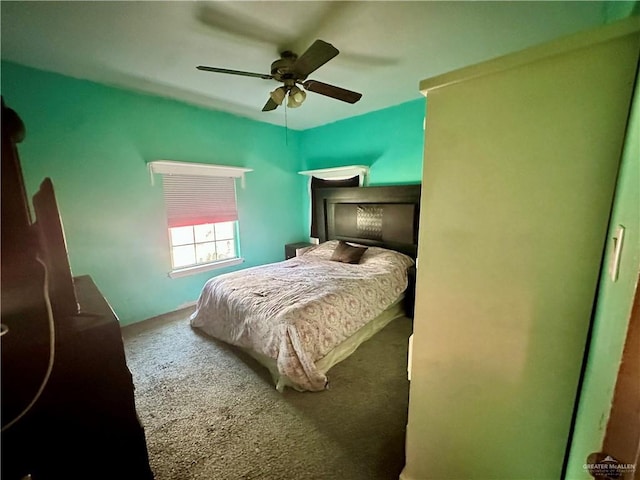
195	200
196	194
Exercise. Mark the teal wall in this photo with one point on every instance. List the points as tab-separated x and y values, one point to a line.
613	308
619	9
389	141
94	142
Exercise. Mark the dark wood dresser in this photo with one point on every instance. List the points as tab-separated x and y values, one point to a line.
83	422
84	425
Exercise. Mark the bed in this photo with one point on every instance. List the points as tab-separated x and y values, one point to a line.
301	316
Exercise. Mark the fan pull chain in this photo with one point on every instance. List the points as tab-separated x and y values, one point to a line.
286	126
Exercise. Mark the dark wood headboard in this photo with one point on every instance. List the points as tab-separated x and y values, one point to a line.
378	216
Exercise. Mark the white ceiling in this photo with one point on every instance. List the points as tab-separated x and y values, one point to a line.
386	47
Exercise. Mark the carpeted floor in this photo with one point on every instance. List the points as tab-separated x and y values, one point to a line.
212	412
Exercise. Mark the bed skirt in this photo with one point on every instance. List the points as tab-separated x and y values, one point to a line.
338	353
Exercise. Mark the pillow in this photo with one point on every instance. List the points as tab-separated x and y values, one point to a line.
322	251
379	256
346	253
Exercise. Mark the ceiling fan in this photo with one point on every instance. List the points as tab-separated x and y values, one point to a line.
292	70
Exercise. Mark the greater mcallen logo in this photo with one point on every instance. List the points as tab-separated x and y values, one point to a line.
608	467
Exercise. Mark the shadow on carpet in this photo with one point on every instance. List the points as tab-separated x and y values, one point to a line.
212	412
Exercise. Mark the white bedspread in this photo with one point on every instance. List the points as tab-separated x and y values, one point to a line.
296	311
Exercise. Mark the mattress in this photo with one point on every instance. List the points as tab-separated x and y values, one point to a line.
297	316
337	354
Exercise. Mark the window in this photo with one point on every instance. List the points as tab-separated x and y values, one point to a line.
202	215
201	244
350	176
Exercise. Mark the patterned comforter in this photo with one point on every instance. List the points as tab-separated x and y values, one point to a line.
296	311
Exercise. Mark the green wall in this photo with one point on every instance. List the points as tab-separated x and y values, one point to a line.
619	9
613	308
389	141
94	142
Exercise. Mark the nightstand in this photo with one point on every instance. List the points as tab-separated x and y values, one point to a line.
290	249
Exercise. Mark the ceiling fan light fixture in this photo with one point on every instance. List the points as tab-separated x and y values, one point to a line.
296	97
292	70
278	95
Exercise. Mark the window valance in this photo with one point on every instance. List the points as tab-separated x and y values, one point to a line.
339	173
171	167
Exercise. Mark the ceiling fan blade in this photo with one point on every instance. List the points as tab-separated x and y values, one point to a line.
264	76
270	105
332	91
319	53
226	18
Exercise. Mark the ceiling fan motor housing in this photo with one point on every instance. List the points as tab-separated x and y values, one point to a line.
282	69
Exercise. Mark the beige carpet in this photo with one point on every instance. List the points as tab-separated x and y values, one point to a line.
212	412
